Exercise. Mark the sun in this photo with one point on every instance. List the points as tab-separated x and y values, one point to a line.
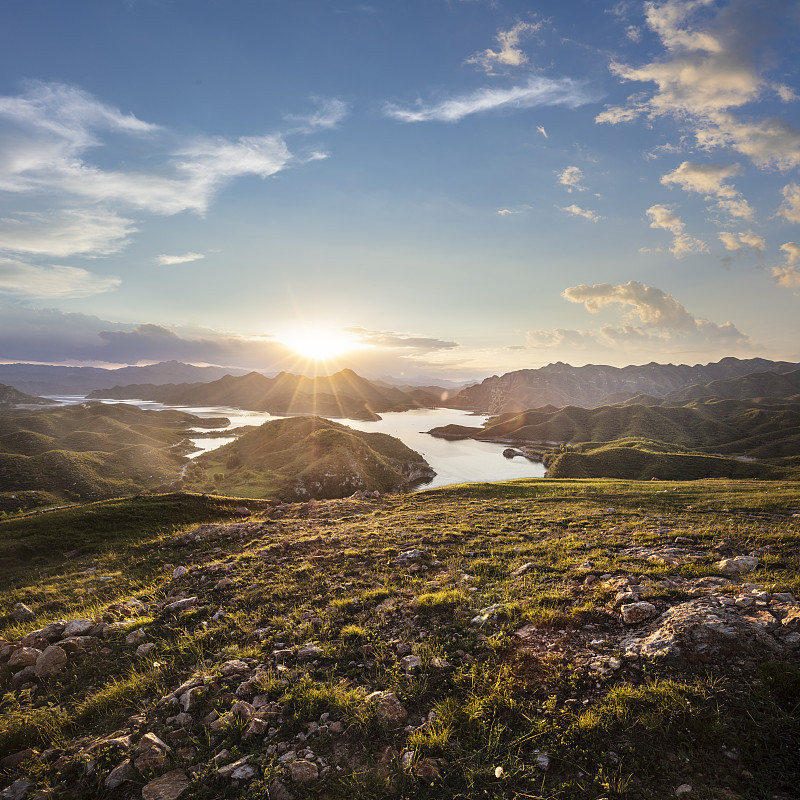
320	344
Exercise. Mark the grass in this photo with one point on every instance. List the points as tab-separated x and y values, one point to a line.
328	573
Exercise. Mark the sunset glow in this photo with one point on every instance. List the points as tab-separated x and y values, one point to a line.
320	344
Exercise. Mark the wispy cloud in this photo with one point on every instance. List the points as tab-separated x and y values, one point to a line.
186	258
586	213
508	53
541	130
30	281
66	233
538	91
711	180
790	208
742	241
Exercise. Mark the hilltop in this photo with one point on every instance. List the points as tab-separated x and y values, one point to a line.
559	639
589	386
10	397
302	457
90	451
344	394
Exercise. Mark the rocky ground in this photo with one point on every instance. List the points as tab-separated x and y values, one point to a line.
507	641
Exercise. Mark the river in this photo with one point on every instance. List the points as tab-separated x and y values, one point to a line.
462	461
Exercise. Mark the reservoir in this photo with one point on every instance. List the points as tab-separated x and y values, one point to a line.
461	461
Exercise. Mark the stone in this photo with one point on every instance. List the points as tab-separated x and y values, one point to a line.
182	605
336	728
15	759
737	564
279	791
27	675
684	788
224	584
169	786
234	666
178	572
282	655
238	770
136	637
303	771
148	741
427	769
120	774
637	612
390	710
24	657
18	790
22	613
78	644
52	660
410	663
410	556
522	570
145	649
77	627
243	710
308	652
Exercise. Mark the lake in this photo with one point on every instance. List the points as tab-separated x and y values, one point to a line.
462	461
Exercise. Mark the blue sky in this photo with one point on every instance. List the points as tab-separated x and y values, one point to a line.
450	187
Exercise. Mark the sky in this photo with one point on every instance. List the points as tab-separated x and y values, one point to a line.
442	189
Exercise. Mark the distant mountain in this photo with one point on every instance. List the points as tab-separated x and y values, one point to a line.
9	396
343	394
767	385
590	386
304	457
47	379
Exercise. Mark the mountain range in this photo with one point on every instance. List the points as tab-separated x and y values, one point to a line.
343	394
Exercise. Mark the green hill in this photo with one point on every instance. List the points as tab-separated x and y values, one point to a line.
307	457
90	451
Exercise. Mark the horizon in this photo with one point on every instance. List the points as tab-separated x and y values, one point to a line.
449	188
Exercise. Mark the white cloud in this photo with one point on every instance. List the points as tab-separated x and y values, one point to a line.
710	180
653	309
577	211
167	261
716	62
65	233
572	178
27	280
330	113
508	53
742	241
538	91
504	212
664	217
790	209
788	275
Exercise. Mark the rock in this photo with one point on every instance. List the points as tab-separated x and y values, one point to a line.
440	664
637	612
24	676
22	613
136	637
278	791
701	630
78	644
234	666
410	663
308	652
737	564
303	771
77	627
243	710
145	649
18	790
51	661
52	632
224	583
15	759
120	774
427	769
24	657
256	727
390	710
238	770
148	741
242	511
522	570
336	728
410	556
684	788
282	655
169	786
182	605
178	572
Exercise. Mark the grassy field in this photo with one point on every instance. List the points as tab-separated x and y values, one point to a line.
505	593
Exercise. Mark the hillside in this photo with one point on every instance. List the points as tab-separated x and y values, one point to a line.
343	394
689	437
564	385
303	457
55	380
10	397
534	639
90	451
